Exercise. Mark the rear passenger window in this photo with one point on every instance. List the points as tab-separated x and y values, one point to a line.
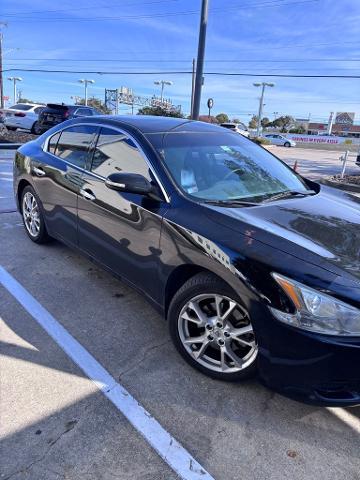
53	142
74	144
115	152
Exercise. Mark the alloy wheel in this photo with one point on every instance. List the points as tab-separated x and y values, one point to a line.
31	214
216	332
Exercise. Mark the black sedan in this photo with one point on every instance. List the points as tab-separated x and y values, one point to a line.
255	268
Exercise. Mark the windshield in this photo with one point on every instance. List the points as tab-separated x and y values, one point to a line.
225	167
21	106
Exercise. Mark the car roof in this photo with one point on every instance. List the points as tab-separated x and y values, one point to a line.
68	105
28	104
150	124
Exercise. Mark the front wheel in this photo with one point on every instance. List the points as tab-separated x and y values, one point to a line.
32	216
212	330
287	144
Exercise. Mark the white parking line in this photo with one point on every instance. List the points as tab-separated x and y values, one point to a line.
165	445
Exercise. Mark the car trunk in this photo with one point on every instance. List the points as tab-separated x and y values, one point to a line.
54	113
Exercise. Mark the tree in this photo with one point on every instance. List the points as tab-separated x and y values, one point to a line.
253	122
207	119
236	120
159	112
95	103
299	129
25	100
222	118
284	123
265	122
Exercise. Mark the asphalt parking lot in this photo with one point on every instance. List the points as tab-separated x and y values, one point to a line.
315	163
57	423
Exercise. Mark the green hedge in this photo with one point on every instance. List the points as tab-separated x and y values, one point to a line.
261	141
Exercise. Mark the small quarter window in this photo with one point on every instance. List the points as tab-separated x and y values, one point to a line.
74	144
53	142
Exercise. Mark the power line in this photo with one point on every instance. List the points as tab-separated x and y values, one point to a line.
169	72
15	14
161	15
253	47
132	60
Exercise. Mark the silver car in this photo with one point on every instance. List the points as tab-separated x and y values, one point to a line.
277	139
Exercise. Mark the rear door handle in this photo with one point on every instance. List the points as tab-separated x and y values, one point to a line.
39	171
87	194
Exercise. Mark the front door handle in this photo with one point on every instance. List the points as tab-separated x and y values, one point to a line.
87	194
39	171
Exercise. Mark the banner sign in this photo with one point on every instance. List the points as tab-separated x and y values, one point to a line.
323	139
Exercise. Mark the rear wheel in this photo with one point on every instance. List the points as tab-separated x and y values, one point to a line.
11	128
32	216
35	129
212	330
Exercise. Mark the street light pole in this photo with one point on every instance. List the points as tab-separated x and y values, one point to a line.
162	83
261	104
200	60
85	81
14	80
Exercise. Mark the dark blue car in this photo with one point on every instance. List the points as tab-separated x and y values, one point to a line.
255	268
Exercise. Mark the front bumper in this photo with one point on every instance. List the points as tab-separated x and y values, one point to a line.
313	368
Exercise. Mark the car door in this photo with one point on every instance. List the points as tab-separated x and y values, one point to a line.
57	176
121	230
277	140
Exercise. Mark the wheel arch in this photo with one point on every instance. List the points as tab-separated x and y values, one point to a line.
20	188
179	276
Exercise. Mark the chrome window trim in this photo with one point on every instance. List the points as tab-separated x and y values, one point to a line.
117	129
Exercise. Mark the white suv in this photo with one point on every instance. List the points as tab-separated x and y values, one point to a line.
236	127
23	115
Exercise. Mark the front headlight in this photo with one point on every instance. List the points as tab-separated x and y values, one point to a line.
317	311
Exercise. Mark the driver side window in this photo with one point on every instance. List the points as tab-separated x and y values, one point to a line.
116	153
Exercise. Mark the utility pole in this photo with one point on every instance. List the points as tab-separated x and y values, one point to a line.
1	73
330	123
162	83
14	80
200	60
85	81
261	104
192	87
2	24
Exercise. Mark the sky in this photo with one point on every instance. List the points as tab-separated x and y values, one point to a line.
310	37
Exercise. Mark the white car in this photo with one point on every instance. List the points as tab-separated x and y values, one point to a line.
23	115
277	139
236	127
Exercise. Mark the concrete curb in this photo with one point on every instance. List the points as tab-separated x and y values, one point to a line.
349	187
10	146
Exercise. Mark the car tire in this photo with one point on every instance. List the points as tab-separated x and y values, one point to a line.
11	129
33	217
220	350
35	129
287	144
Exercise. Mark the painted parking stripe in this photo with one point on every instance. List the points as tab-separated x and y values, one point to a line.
165	445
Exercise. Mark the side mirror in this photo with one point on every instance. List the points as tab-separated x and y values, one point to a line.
129	182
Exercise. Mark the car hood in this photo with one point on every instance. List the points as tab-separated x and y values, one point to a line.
323	229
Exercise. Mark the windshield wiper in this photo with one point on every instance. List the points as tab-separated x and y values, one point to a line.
288	193
232	203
